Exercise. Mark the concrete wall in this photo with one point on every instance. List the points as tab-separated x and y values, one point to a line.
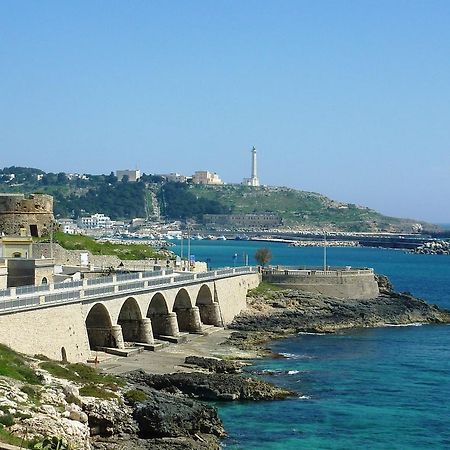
336	284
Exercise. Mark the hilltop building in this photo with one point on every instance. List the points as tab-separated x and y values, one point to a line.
205	177
133	175
175	177
253	180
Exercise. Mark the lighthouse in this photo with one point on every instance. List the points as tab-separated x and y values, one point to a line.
253	180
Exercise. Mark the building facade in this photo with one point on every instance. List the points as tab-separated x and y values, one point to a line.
133	175
205	177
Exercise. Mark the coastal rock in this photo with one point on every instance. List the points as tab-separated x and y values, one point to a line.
42	425
165	415
304	312
214	364
211	386
107	417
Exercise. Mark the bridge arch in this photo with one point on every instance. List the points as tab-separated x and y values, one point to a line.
130	319
209	309
164	323
188	316
99	328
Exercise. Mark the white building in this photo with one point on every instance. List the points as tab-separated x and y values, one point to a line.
205	177
133	175
95	221
175	177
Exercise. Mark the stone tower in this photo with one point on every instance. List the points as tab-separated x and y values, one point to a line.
33	213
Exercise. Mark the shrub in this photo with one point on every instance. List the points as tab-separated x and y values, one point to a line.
92	390
134	396
7	420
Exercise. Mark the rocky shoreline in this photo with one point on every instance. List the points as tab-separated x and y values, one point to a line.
280	313
166	411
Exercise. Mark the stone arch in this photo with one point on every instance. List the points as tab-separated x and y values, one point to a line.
188	316
164	323
209	310
99	328
44	280
130	318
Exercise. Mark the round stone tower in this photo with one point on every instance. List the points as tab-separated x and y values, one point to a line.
32	212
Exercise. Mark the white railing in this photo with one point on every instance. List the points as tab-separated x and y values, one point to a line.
22	297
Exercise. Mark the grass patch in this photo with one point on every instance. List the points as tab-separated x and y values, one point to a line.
33	392
81	373
264	289
7	420
135	396
123	251
8	438
94	390
13	365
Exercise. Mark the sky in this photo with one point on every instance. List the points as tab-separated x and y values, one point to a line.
347	98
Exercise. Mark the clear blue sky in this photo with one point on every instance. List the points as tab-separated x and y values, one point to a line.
347	98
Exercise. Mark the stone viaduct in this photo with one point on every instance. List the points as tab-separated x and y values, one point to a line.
70	320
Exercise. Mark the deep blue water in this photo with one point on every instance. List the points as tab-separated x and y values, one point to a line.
384	388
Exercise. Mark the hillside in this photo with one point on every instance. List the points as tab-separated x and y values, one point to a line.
76	195
302	209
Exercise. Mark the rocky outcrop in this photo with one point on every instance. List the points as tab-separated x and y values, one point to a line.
165	415
433	248
210	386
288	312
214	364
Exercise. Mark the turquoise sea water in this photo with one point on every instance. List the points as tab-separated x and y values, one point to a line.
384	388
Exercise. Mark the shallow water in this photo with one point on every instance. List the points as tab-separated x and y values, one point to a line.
384	388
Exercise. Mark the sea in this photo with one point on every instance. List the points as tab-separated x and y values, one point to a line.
380	388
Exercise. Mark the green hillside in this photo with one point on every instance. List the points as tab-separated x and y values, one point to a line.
304	209
75	196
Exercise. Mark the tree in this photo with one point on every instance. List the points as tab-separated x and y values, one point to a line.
263	256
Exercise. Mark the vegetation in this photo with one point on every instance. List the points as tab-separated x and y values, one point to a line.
264	289
52	443
263	256
93	390
82	195
123	251
135	396
8	438
180	203
14	365
81	373
7	420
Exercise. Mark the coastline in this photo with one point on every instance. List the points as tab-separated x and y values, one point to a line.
246	340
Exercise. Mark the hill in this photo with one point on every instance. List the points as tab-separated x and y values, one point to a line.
76	195
300	209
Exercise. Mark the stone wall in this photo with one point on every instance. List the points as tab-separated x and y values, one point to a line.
33	212
47	331
338	284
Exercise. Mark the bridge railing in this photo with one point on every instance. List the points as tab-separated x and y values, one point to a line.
100	280
21	297
68	285
32	289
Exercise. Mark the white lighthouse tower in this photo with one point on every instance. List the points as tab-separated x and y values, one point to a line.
253	180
